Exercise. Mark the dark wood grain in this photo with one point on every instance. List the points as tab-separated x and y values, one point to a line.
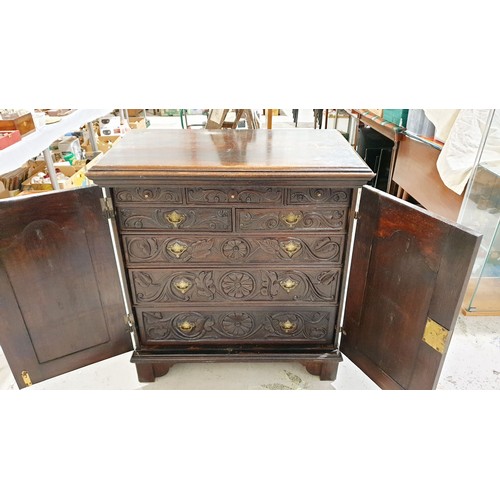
62	306
144	155
403	272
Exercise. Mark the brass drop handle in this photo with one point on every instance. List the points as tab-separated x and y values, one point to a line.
291	219
289	284
291	247
186	326
175	218
177	249
288	326
182	285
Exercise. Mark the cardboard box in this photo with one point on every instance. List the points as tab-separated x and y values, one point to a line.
5	193
76	173
135	112
137	123
24	124
106	143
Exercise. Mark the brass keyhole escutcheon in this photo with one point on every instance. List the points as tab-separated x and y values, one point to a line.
183	285
288	326
177	248
291	247
186	326
291	219
289	284
175	218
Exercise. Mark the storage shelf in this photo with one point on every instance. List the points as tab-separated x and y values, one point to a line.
33	144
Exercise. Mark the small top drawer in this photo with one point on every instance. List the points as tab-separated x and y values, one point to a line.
236	194
319	195
148	195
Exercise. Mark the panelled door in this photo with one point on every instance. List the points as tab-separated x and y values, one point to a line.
61	305
408	277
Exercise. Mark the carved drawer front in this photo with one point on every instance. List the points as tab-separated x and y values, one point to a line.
292	219
174	218
319	195
147	194
238	194
156	286
198	326
166	250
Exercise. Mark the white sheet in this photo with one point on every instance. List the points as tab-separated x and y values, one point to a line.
456	161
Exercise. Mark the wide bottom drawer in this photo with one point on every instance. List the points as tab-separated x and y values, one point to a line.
208	326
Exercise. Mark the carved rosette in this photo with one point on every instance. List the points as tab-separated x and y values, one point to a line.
237	284
235	249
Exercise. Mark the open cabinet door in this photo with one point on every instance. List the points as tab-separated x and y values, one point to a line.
61	306
408	277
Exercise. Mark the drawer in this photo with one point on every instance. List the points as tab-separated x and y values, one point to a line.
292	219
238	194
147	194
319	195
176	219
201	326
167	250
162	286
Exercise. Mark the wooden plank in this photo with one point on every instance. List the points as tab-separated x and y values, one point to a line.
416	173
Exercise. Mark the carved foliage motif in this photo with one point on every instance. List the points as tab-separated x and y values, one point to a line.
175	250
164	249
251	220
320	195
196	326
161	218
235	285
235	195
149	194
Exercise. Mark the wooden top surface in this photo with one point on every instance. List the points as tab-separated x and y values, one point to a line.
156	153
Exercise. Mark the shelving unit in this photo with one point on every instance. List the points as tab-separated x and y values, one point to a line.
40	140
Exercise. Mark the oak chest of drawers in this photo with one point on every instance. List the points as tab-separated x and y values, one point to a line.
235	246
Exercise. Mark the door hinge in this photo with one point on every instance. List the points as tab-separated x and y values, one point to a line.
107	208
26	378
356	215
129	321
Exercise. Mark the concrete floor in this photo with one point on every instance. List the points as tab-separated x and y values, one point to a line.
472	362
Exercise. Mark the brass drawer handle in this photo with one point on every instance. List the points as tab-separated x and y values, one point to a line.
186	326
175	218
291	219
177	248
288	326
289	284
291	247
182	285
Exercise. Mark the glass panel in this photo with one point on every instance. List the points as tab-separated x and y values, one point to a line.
481	212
